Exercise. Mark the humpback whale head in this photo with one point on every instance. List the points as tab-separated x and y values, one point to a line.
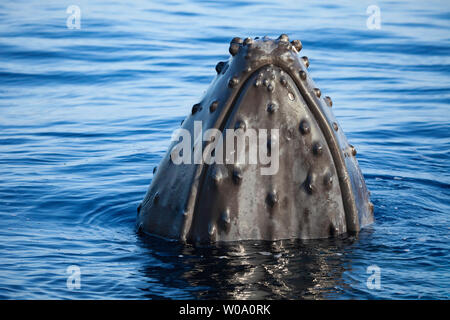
260	156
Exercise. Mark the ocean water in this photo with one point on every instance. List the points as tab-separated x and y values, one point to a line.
85	115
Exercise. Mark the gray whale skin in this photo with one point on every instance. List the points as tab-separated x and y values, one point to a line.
318	190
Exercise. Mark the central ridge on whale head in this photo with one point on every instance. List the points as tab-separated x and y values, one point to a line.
312	188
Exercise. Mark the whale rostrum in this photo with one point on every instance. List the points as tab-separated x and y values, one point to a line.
313	186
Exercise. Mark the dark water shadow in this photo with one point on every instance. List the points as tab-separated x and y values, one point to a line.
288	269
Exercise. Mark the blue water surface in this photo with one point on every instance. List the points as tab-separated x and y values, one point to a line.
86	114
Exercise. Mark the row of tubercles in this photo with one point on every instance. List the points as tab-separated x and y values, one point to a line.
317	149
236	43
317	92
305	129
